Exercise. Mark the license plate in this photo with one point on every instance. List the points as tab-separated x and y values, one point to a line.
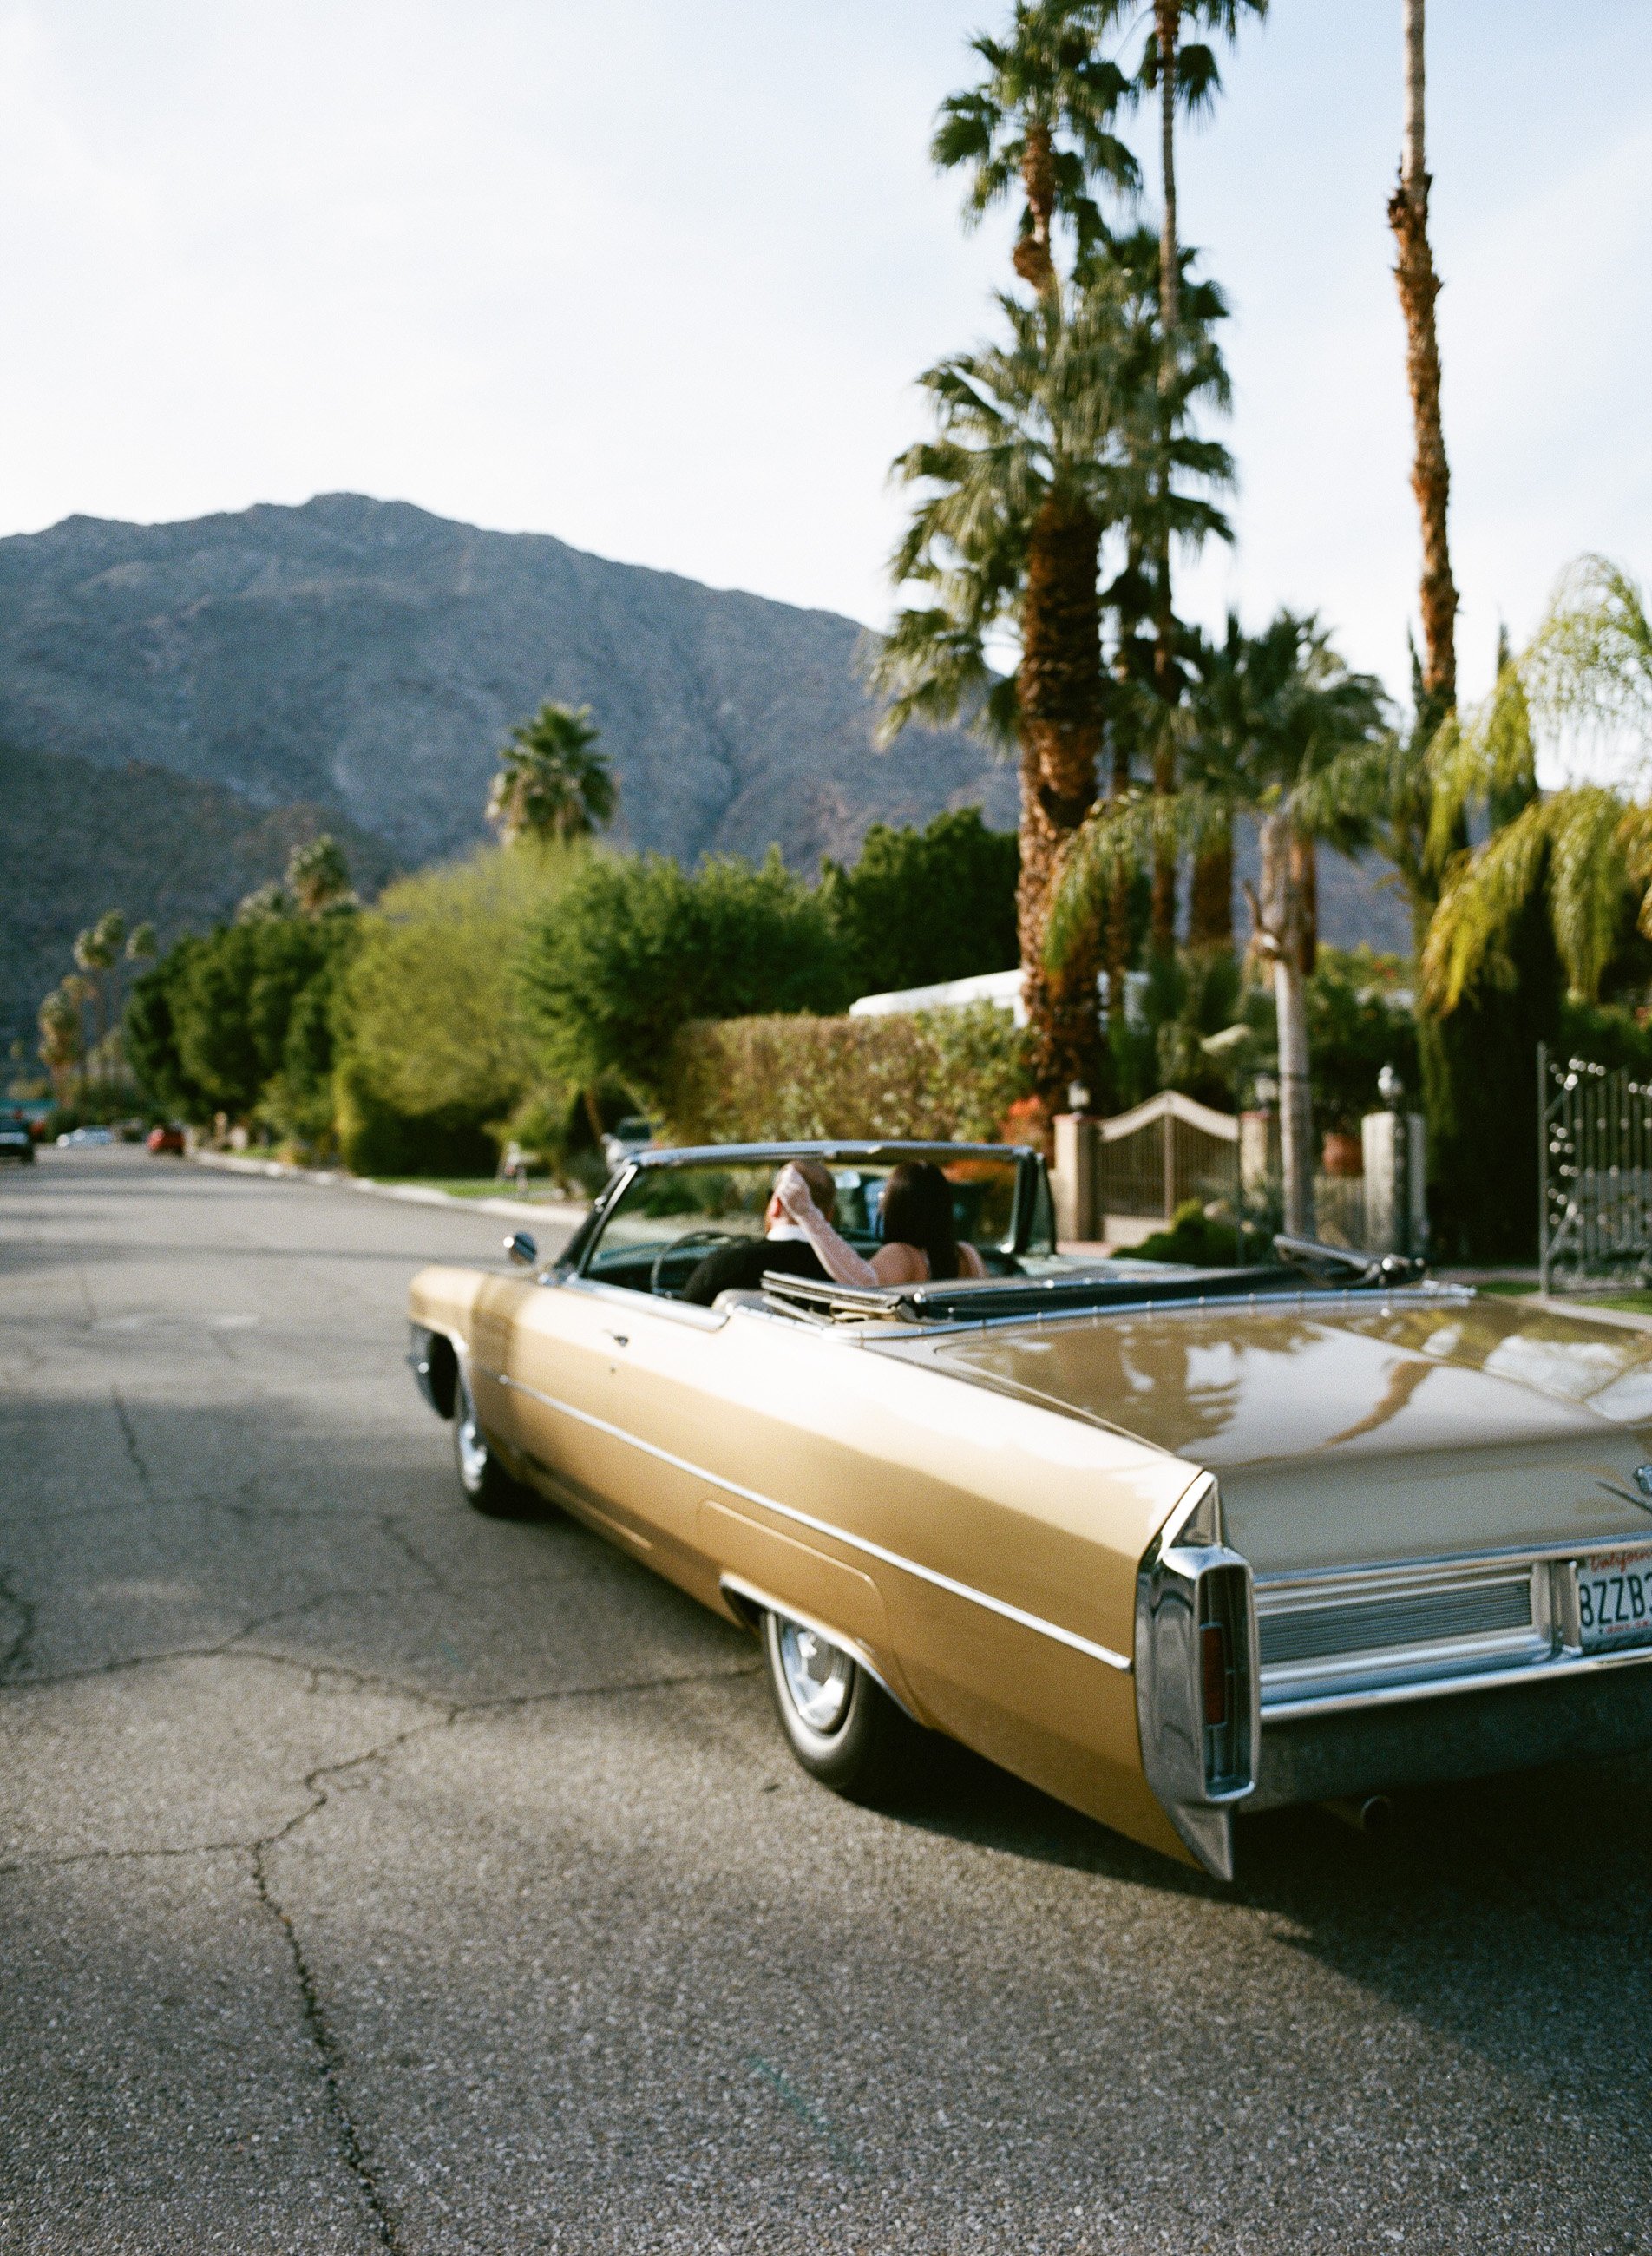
1614	1599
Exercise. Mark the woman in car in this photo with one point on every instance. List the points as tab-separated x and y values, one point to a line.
920	1239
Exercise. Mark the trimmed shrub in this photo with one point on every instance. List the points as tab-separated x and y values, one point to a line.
932	1074
635	947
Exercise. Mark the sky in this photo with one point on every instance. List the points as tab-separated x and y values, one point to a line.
657	278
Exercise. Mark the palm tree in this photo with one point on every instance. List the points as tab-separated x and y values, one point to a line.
1585	850
553	782
1170	388
1285	731
1419	287
318	877
1184	74
1041	119
1023	478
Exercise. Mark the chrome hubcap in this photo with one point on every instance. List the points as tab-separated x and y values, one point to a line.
819	1676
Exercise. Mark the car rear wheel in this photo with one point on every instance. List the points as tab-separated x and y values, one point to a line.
487	1486
840	1724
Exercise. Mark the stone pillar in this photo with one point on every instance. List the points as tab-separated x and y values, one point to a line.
1259	1152
1396	1177
1072	1180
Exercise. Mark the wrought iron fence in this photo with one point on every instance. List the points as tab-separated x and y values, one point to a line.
1594	1175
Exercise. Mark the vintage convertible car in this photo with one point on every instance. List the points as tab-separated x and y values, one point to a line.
1169	1543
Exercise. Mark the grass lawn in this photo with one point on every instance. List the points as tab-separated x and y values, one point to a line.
1508	1286
1637	1304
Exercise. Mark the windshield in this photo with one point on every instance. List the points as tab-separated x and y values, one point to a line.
669	1218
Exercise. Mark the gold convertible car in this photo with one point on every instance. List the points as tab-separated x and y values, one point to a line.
1169	1543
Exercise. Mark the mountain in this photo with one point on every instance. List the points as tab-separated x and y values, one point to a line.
77	838
190	698
370	659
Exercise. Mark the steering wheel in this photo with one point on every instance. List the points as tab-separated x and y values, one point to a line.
707	1240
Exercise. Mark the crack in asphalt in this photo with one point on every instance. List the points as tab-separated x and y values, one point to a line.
130	1438
14	1659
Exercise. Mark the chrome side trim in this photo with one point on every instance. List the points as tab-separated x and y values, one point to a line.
1562	1665
930	1575
737	1587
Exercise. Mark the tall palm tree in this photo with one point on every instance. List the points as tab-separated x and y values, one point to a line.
552	783
1584	850
1025	474
1419	287
1184	75
1041	119
1286	736
1174	472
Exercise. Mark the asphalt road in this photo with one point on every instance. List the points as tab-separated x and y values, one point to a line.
373	1876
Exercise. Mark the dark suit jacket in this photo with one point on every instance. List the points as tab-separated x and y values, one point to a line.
739	1268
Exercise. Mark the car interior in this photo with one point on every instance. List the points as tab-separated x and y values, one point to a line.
669	1218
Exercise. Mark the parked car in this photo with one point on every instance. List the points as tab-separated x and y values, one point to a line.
72	1137
627	1140
17	1139
165	1137
1172	1544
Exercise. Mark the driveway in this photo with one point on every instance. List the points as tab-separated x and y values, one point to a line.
373	1876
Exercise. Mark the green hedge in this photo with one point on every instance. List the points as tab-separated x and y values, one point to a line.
940	1073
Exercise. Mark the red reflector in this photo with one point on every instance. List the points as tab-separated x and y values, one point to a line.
1213	1653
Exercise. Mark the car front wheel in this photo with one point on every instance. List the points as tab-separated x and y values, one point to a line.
487	1486
841	1724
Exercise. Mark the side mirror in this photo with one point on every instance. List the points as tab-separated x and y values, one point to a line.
522	1248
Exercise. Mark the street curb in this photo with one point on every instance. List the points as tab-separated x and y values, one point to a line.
335	1179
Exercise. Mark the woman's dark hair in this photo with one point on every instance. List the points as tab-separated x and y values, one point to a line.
916	1210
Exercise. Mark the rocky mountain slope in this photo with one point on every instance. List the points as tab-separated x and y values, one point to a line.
369	657
77	838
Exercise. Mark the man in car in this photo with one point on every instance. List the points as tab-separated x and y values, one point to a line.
783	1245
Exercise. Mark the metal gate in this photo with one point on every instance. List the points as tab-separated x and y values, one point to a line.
1594	1175
1168	1150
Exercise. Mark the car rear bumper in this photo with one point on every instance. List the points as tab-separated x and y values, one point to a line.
1468	1734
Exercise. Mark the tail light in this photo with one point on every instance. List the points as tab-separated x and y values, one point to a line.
1198	1702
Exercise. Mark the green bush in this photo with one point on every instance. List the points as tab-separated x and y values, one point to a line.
923	905
1203	1241
933	1074
634	948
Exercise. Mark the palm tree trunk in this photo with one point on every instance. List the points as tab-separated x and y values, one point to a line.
1280	931
1210	894
1031	257
1167	16
1060	699
1167	20
1419	287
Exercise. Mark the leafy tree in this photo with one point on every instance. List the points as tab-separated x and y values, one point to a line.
633	947
149	1037
270	899
1584	851
434	1040
552	783
1041	119
923	905
318	877
1291	744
